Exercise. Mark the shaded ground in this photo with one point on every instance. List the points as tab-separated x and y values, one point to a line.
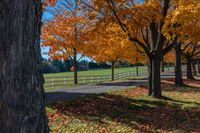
129	110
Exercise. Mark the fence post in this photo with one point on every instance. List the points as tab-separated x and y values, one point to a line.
137	73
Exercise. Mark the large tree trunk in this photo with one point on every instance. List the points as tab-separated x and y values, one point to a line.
156	79
194	68
22	105
150	77
75	67
189	70
113	70
178	69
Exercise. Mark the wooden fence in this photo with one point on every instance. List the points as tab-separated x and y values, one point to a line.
63	82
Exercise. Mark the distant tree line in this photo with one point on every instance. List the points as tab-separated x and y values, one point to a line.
55	66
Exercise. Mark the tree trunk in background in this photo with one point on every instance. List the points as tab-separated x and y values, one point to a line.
162	65
75	67
22	105
113	70
178	69
198	64
150	77
156	79
137	71
194	68
189	70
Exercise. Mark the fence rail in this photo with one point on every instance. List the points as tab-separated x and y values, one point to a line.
63	82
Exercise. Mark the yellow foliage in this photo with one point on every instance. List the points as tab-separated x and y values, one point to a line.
110	43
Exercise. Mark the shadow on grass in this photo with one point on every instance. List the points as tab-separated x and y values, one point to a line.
125	83
188	86
60	96
184	89
143	114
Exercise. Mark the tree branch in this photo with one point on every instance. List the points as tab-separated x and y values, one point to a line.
170	46
123	26
140	44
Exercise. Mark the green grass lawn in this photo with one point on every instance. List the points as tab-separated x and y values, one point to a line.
129	110
83	79
97	72
65	79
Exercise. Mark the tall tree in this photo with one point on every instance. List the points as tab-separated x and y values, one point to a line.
66	33
186	22
22	106
110	45
174	56
146	23
191	53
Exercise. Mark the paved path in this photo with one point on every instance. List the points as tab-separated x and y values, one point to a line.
82	90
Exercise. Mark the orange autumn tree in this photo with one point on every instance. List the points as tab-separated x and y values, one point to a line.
46	3
144	23
191	53
110	44
65	34
169	57
185	23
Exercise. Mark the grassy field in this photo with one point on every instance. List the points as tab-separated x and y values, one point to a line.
105	75
97	72
130	110
65	79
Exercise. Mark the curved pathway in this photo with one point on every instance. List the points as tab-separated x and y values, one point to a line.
82	90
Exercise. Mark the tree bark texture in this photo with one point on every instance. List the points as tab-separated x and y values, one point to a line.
156	80
178	69
189	70
150	77
22	105
113	70
75	67
194	68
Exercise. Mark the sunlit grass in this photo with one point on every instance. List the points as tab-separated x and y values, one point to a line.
97	72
